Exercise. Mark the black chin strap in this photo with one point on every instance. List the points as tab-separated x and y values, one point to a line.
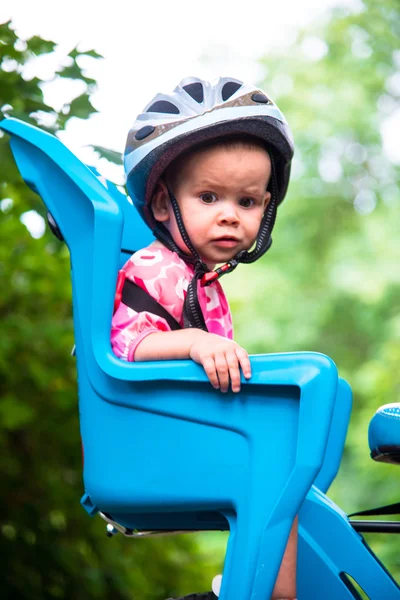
192	313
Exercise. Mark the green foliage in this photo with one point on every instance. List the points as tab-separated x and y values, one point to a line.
22	98
49	548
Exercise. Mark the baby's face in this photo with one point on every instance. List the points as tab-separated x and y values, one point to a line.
222	197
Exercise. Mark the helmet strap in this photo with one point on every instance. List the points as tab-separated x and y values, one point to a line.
264	239
192	313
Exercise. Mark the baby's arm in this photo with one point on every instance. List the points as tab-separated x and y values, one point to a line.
220	357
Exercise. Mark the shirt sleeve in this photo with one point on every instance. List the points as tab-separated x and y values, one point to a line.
129	328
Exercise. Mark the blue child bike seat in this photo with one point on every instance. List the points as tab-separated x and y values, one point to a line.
164	450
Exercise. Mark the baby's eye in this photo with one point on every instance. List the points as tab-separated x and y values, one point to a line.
208	197
247	202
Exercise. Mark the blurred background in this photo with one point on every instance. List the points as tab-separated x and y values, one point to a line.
330	283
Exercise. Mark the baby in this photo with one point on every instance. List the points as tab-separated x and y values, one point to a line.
206	167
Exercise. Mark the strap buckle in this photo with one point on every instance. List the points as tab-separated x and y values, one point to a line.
211	276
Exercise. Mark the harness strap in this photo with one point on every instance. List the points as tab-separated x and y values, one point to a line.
136	298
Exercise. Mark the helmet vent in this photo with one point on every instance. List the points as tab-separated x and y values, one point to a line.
144	132
261	98
229	89
195	90
163	106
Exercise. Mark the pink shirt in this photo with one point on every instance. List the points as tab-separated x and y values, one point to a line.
165	276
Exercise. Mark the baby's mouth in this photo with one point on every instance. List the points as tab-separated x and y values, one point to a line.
226	240
227	237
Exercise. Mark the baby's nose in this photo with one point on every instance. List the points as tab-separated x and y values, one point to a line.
229	214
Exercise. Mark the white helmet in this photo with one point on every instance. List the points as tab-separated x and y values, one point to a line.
198	111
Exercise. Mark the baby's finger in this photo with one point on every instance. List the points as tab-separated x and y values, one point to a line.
234	371
244	361
211	372
222	372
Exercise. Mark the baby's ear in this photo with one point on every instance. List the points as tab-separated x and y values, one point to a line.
267	199
160	202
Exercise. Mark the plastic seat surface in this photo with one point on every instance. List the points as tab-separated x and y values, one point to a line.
158	439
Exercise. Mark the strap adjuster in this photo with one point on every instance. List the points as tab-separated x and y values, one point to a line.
211	276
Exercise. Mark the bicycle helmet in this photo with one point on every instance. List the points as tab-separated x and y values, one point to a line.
196	112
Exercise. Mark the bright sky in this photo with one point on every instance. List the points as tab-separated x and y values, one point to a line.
149	46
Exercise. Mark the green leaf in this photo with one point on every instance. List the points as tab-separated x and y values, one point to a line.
39	46
74	72
81	107
75	53
111	155
7	35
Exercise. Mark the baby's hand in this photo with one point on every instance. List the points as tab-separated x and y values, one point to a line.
221	359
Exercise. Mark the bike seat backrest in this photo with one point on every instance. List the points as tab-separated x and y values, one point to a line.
136	234
98	223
